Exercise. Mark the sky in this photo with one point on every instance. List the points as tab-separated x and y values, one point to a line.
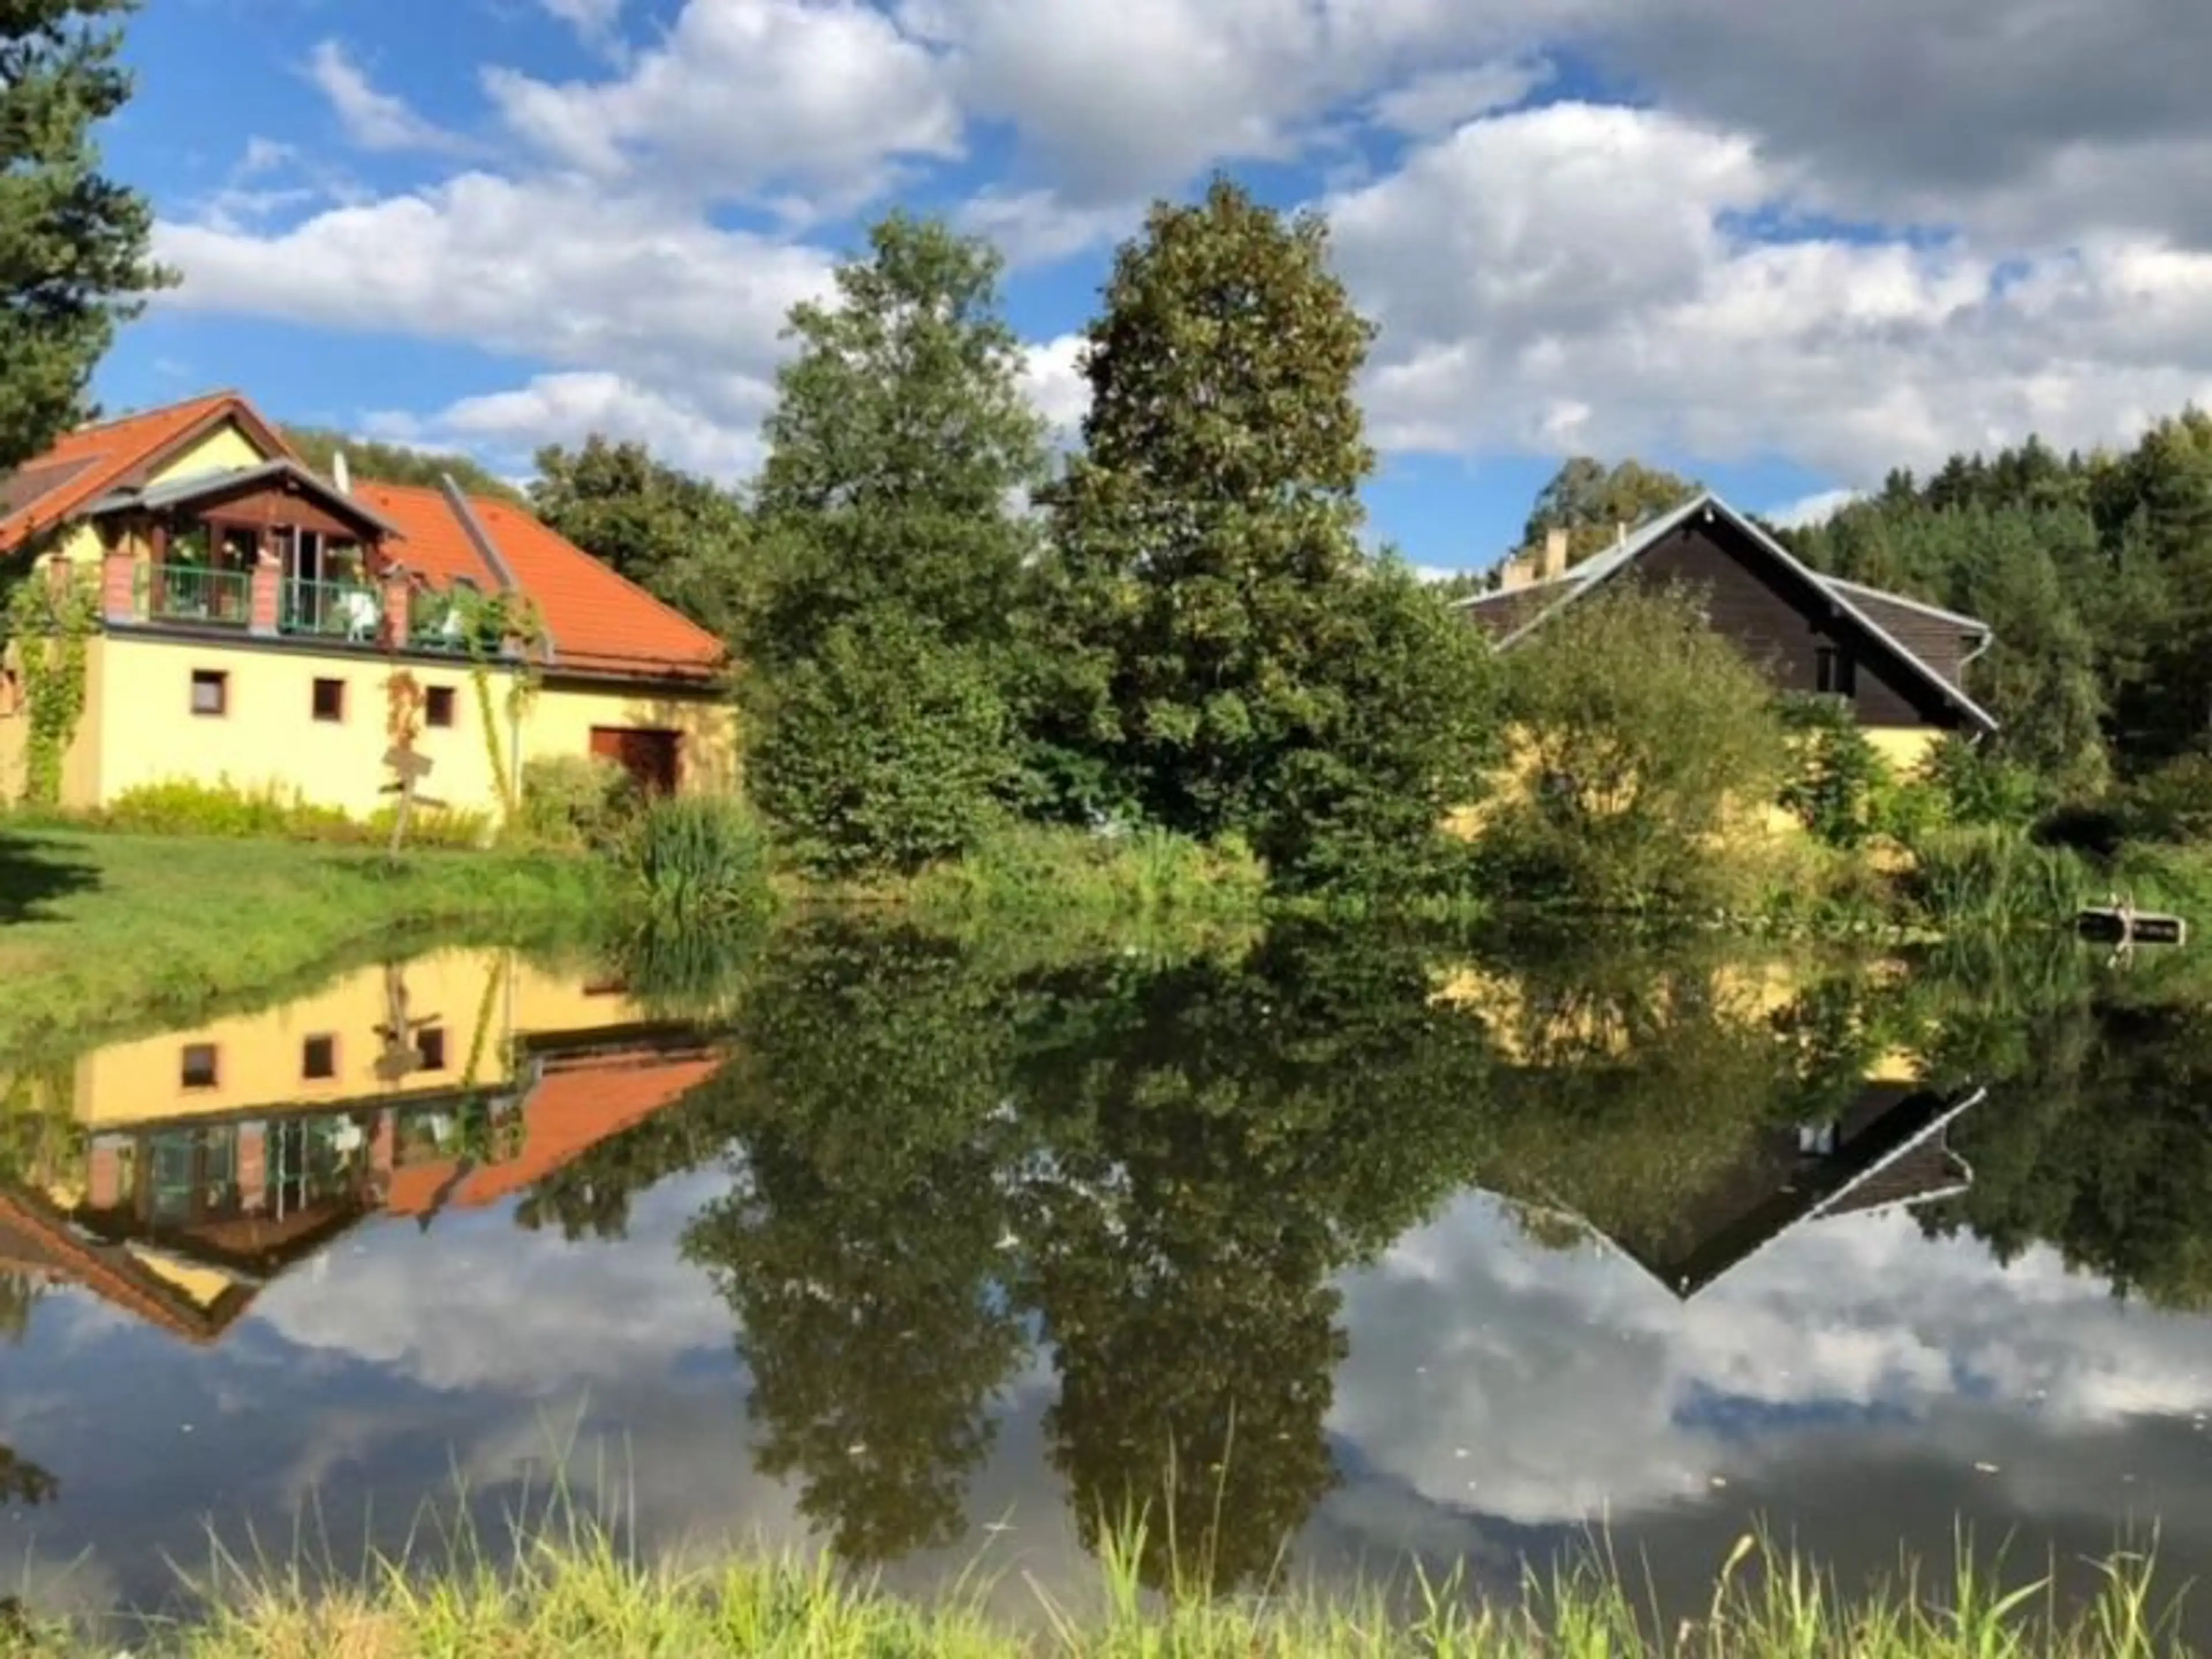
1781	245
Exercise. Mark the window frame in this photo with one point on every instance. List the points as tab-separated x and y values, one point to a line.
219	680
317	686
437	698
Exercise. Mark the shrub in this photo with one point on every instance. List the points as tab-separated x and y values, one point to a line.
2090	827
577	800
886	750
697	859
2172	804
185	806
1645	739
1979	786
1836	780
1145	872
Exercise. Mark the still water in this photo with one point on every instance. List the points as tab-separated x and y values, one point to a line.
1346	1250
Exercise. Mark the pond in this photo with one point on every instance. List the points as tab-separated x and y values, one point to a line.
1336	1251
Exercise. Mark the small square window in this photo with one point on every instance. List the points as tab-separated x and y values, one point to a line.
318	1058
210	691
438	705
196	1066
330	700
430	1043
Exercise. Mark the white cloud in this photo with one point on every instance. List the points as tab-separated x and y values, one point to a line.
1816	508
374	119
1037	226
1054	381
594	20
1443	98
1569	277
744	97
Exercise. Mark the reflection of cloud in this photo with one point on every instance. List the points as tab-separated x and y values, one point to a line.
466	1305
1547	1388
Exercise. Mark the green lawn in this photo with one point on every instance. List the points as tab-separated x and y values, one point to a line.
105	933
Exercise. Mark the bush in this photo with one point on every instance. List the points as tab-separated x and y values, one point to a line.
1979	786
2088	827
2172	804
697	859
887	750
1836	782
184	806
1643	742
577	800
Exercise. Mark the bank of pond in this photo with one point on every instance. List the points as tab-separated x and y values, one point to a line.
1329	1249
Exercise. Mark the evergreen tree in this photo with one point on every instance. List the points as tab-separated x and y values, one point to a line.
899	442
74	246
1218	652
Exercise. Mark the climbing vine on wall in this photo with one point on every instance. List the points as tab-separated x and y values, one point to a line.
501	630
50	619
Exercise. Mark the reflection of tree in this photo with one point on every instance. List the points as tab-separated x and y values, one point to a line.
2100	1144
1222	1140
860	1250
23	1482
590	1195
19	1293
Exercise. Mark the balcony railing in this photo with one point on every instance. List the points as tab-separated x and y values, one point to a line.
196	593
437	622
342	611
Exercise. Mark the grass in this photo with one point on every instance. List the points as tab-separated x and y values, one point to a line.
576	1593
1030	873
103	934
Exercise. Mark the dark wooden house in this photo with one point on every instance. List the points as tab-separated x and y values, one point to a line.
1899	663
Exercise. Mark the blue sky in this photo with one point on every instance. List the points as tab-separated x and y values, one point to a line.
1772	246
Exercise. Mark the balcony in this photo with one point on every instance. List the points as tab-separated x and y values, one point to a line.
437	622
332	611
195	593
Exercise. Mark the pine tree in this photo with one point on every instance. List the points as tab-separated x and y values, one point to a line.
74	246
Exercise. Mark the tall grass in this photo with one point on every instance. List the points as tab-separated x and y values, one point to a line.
696	860
1030	870
1996	880
580	1593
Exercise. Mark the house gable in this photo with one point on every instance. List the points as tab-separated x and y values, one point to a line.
1899	662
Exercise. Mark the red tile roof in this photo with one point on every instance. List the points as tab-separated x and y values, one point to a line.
599	622
571	1109
86	463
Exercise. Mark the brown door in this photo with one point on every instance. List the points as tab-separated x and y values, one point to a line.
648	755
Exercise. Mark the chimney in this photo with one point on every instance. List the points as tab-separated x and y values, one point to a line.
1620	533
1553	561
339	475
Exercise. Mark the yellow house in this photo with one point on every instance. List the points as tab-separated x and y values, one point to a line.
254	620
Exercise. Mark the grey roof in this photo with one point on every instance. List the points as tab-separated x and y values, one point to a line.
194	486
1593	571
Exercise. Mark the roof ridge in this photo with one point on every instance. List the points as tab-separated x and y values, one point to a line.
229	394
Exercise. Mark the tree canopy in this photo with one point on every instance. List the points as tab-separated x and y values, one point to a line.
899	442
1219	654
395	464
75	246
1593	503
684	538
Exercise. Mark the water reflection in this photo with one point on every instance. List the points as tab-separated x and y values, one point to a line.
1357	1241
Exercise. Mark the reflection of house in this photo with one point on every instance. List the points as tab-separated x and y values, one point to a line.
217	1158
1890	1150
251	615
1897	663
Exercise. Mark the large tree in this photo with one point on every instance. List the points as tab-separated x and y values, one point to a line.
74	246
1594	503
900	442
684	538
1221	653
